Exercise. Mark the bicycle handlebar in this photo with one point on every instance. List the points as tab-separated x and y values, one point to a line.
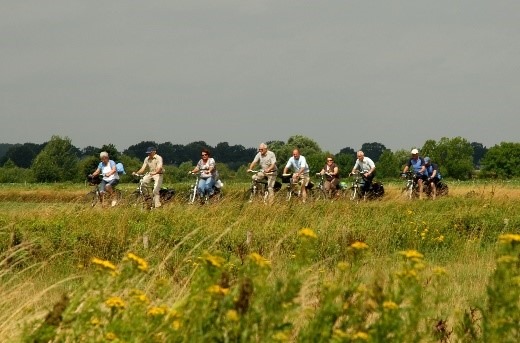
260	171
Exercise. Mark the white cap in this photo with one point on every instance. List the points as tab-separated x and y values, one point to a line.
415	151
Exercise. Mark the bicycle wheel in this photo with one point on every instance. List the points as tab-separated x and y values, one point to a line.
91	198
289	193
252	193
318	195
408	191
193	195
442	189
140	200
354	193
116	198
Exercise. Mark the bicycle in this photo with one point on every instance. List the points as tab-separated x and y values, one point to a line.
441	189
375	191
95	196
294	188
142	196
193	191
319	192
259	189
411	187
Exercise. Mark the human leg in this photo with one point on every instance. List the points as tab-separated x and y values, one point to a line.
158	179
304	181
208	186
271	179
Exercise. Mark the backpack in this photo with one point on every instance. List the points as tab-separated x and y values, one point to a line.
120	168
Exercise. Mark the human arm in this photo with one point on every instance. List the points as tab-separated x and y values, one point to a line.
143	167
371	165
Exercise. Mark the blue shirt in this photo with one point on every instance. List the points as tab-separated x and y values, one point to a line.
297	164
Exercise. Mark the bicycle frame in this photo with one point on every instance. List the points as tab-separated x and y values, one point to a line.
259	188
357	183
411	187
193	189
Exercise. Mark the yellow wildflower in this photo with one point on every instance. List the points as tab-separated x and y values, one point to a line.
157	311
410	212
103	263
115	302
110	336
439	271
306	232
439	239
507	259
216	289
411	254
509	238
95	321
340	334
232	315
342	266
259	260
215	261
361	336
141	263
516	280
281	337
390	305
359	245
176	325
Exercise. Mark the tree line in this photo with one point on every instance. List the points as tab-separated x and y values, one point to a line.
58	160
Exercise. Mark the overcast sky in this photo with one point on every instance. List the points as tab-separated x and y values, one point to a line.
340	72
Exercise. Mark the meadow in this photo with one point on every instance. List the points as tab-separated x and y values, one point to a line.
390	270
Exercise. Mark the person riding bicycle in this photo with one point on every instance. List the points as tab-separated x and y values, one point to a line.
331	172
267	160
367	167
417	163
434	176
300	168
154	163
208	174
107	168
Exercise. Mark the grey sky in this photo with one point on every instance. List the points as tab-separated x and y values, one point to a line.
340	72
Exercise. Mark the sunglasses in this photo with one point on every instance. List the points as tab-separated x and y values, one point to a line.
330	161
204	154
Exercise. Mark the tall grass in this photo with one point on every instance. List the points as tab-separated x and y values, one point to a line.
390	270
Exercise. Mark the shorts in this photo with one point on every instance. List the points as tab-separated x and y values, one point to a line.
112	183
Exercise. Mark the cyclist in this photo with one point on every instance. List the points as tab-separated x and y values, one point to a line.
208	174
107	168
267	160
300	168
367	167
331	172
434	176
154	163
417	163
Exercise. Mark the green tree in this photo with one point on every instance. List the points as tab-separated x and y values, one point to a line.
345	163
479	150
373	150
112	151
138	150
455	157
307	146
502	160
389	165
58	161
23	155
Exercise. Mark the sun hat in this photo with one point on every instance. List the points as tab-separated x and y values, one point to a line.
150	149
415	151
426	160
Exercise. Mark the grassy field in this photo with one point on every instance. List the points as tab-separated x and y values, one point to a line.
386	270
